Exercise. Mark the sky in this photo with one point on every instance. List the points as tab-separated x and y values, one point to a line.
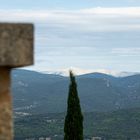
86	34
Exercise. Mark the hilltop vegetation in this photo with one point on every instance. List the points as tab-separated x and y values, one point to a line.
118	125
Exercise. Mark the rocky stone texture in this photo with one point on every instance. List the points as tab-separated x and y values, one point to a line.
16	50
5	106
16	44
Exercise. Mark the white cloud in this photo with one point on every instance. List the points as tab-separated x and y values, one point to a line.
94	19
126	51
123	11
104	29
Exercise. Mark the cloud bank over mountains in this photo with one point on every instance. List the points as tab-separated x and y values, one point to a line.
100	37
98	19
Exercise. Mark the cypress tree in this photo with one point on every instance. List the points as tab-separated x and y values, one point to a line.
73	127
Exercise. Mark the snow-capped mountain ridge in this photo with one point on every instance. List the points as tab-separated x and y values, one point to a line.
78	71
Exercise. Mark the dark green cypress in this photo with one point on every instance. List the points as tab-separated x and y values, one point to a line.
73	128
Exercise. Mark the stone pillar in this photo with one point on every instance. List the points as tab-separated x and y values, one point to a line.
16	50
5	105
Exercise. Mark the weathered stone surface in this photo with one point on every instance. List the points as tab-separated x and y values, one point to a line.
16	45
6	123
16	50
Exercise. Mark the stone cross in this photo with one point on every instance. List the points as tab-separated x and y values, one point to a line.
16	50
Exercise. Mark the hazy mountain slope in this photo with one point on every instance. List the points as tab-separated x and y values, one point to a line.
40	93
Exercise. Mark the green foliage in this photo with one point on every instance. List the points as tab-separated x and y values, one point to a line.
73	127
35	126
118	125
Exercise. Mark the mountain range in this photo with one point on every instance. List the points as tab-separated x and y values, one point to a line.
38	93
79	71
